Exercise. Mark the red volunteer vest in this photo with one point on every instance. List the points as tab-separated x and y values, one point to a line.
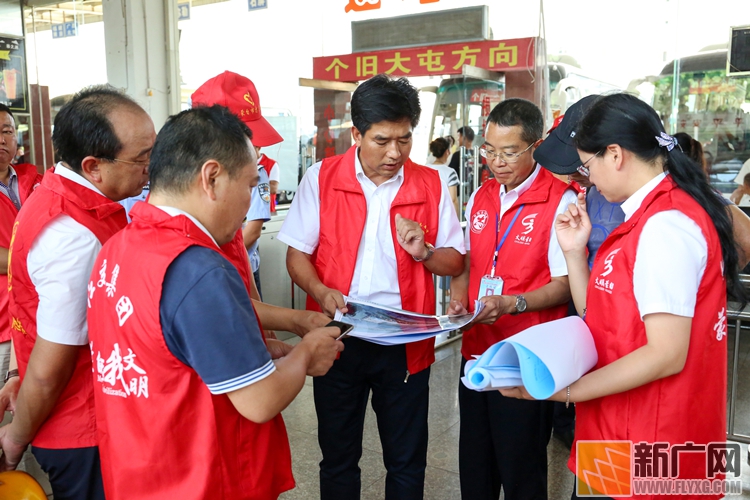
688	406
72	423
236	253
343	213
523	259
28	180
162	434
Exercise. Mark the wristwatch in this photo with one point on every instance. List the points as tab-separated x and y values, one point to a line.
520	304
10	375
430	251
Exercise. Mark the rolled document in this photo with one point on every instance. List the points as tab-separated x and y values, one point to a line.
544	359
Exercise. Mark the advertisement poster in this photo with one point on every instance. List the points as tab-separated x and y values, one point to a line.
13	88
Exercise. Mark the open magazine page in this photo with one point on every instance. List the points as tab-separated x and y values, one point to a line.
387	325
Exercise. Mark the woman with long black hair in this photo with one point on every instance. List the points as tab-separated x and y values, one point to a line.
655	299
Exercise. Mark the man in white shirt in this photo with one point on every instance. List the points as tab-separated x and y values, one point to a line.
514	265
104	140
374	226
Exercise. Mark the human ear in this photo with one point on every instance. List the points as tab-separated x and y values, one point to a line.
357	136
616	152
91	169
209	174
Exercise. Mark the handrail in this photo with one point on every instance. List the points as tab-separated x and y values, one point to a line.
737	315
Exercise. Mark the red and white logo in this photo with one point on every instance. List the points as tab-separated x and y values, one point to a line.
608	262
479	220
528	223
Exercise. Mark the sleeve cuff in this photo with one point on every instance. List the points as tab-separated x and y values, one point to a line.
243	380
297	245
64	337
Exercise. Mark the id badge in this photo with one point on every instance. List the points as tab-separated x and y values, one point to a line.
490	285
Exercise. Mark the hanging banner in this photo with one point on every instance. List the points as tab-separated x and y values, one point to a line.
495	55
13	86
361	5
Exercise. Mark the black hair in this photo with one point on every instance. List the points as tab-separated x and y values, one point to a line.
383	99
467	132
746	180
625	120
83	127
439	146
6	109
692	148
526	114
190	139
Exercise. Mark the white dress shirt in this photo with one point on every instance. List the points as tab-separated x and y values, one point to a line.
555	258
59	263
670	260
375	274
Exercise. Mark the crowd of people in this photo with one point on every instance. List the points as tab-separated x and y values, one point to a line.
141	361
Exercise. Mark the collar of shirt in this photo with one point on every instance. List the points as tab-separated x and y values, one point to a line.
63	171
12	182
508	199
365	181
174	212
633	203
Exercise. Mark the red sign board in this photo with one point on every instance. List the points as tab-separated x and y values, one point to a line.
495	55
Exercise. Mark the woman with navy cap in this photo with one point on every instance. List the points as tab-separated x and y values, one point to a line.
655	299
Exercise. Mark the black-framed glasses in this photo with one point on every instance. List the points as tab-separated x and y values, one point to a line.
141	162
505	157
583	169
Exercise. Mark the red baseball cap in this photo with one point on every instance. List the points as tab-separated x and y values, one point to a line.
239	95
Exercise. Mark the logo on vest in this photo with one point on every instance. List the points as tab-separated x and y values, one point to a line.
604	284
124	306
721	325
119	374
479	220
528	223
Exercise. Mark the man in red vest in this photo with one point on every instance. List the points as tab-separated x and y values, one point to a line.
372	225
515	266
187	394
104	140
17	182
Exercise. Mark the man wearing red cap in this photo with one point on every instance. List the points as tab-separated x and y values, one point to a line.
239	95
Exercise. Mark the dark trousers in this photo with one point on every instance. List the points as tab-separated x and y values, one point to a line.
565	418
503	443
74	473
401	409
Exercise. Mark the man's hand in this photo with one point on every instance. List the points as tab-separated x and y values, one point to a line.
12	450
269	334
323	348
411	237
456	308
8	394
330	299
304	321
494	307
278	349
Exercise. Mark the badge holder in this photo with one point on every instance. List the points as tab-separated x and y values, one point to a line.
490	284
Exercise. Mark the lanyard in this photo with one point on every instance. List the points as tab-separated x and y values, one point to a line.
499	246
11	194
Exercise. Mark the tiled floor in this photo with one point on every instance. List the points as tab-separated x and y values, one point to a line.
442	481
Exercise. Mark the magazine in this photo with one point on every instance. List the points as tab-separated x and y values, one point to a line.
389	326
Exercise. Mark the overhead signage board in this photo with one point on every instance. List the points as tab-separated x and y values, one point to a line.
494	55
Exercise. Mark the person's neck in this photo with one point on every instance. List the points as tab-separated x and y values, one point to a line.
643	177
509	187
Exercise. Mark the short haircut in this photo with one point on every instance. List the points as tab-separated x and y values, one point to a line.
439	146
190	139
383	99
526	114
467	132
6	109
83	127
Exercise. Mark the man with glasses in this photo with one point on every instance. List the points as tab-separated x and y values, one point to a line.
17	182
515	266
104	140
